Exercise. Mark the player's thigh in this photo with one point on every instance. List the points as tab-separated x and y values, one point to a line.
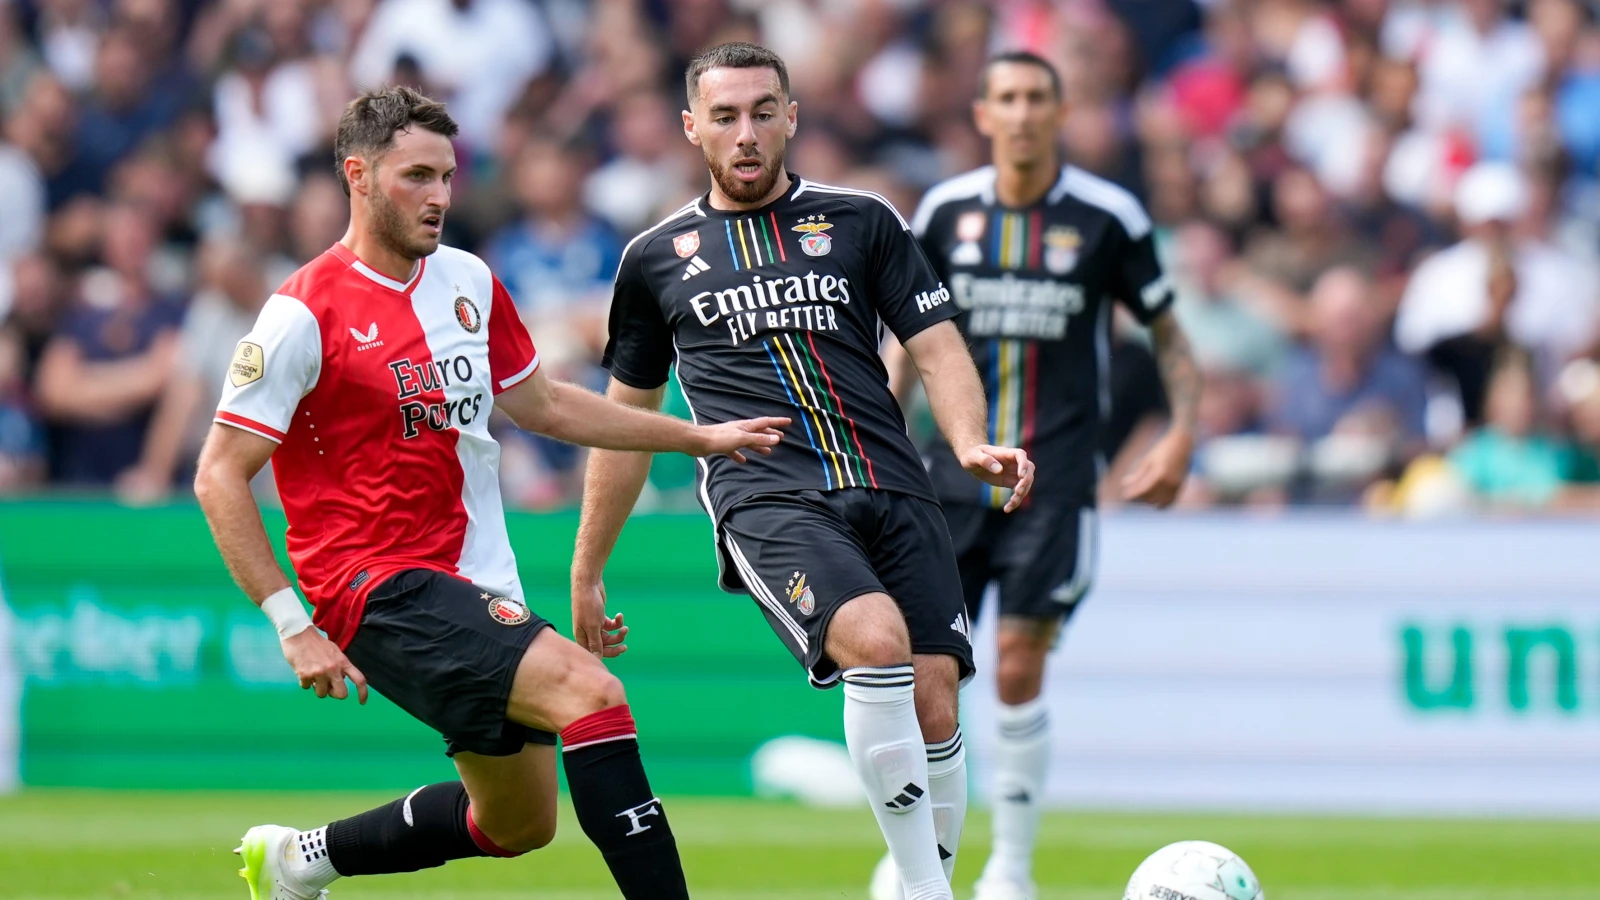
1046	561
913	555
445	650
972	534
802	560
558	682
513	797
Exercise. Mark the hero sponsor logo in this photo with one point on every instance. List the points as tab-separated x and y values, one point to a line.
414	378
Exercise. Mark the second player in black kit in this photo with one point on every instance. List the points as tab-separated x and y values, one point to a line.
781	309
1035	288
1036	256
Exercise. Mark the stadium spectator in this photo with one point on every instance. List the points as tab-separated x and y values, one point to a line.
1493	286
1348	384
1512	461
481	53
102	372
232	290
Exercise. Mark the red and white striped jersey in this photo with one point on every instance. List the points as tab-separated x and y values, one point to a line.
379	396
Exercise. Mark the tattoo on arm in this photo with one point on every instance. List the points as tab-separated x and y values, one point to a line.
1179	373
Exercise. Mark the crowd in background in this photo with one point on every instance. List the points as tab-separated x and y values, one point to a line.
1384	216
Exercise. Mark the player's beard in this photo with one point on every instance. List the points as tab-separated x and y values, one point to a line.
392	229
741	191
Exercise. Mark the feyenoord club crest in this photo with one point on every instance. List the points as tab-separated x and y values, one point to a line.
686	244
505	610
814	240
800	594
1061	248
467	315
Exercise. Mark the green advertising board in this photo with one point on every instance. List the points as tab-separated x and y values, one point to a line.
143	666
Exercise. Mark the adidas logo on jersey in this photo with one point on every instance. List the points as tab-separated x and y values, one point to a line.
366	341
696	266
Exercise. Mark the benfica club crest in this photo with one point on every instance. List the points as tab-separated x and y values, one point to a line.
505	610
686	244
800	594
467	315
815	240
1061	248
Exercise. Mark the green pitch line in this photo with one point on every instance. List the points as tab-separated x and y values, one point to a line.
77	845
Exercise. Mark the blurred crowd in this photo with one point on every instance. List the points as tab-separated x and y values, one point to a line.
1384	215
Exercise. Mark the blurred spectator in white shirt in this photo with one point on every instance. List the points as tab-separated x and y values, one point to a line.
1465	300
480	53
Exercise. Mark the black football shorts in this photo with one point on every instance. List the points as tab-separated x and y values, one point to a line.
803	554
1041	557
446	651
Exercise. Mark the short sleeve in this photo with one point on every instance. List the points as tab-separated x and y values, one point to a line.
1138	280
512	356
275	365
906	289
927	233
639	348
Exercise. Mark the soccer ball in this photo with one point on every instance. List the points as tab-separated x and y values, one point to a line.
1193	870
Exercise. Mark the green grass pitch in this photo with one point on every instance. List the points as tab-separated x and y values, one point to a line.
76	845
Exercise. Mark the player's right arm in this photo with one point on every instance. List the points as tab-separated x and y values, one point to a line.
276	364
612	482
230	459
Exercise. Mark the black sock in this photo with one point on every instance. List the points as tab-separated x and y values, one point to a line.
427	829
616	808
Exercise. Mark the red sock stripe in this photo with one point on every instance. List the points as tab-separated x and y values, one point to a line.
611	724
483	842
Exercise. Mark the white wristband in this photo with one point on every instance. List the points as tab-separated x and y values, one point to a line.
286	613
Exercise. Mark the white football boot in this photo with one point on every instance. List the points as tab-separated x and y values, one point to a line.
885	884
993	887
268	851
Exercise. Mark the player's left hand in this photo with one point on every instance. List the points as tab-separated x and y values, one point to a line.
1007	467
1158	477
745	435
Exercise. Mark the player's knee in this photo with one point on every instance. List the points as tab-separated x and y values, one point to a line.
1018	679
596	689
869	631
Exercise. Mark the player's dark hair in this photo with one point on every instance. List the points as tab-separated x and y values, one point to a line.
1020	57
370	121
734	55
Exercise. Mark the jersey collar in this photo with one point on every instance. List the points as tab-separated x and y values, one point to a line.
376	277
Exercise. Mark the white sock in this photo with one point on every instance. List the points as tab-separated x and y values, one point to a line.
880	728
308	859
947	788
1021	755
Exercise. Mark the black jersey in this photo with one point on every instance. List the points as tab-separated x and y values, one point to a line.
778	311
1035	288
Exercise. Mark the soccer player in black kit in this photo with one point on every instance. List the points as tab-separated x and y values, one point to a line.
1035	254
770	292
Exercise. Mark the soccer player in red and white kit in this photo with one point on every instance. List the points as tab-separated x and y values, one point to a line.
369	379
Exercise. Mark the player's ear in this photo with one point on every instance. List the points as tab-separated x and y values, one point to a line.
355	173
980	118
794	118
688	128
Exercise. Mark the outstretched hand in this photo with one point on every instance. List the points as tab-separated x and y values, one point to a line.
733	439
1007	467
